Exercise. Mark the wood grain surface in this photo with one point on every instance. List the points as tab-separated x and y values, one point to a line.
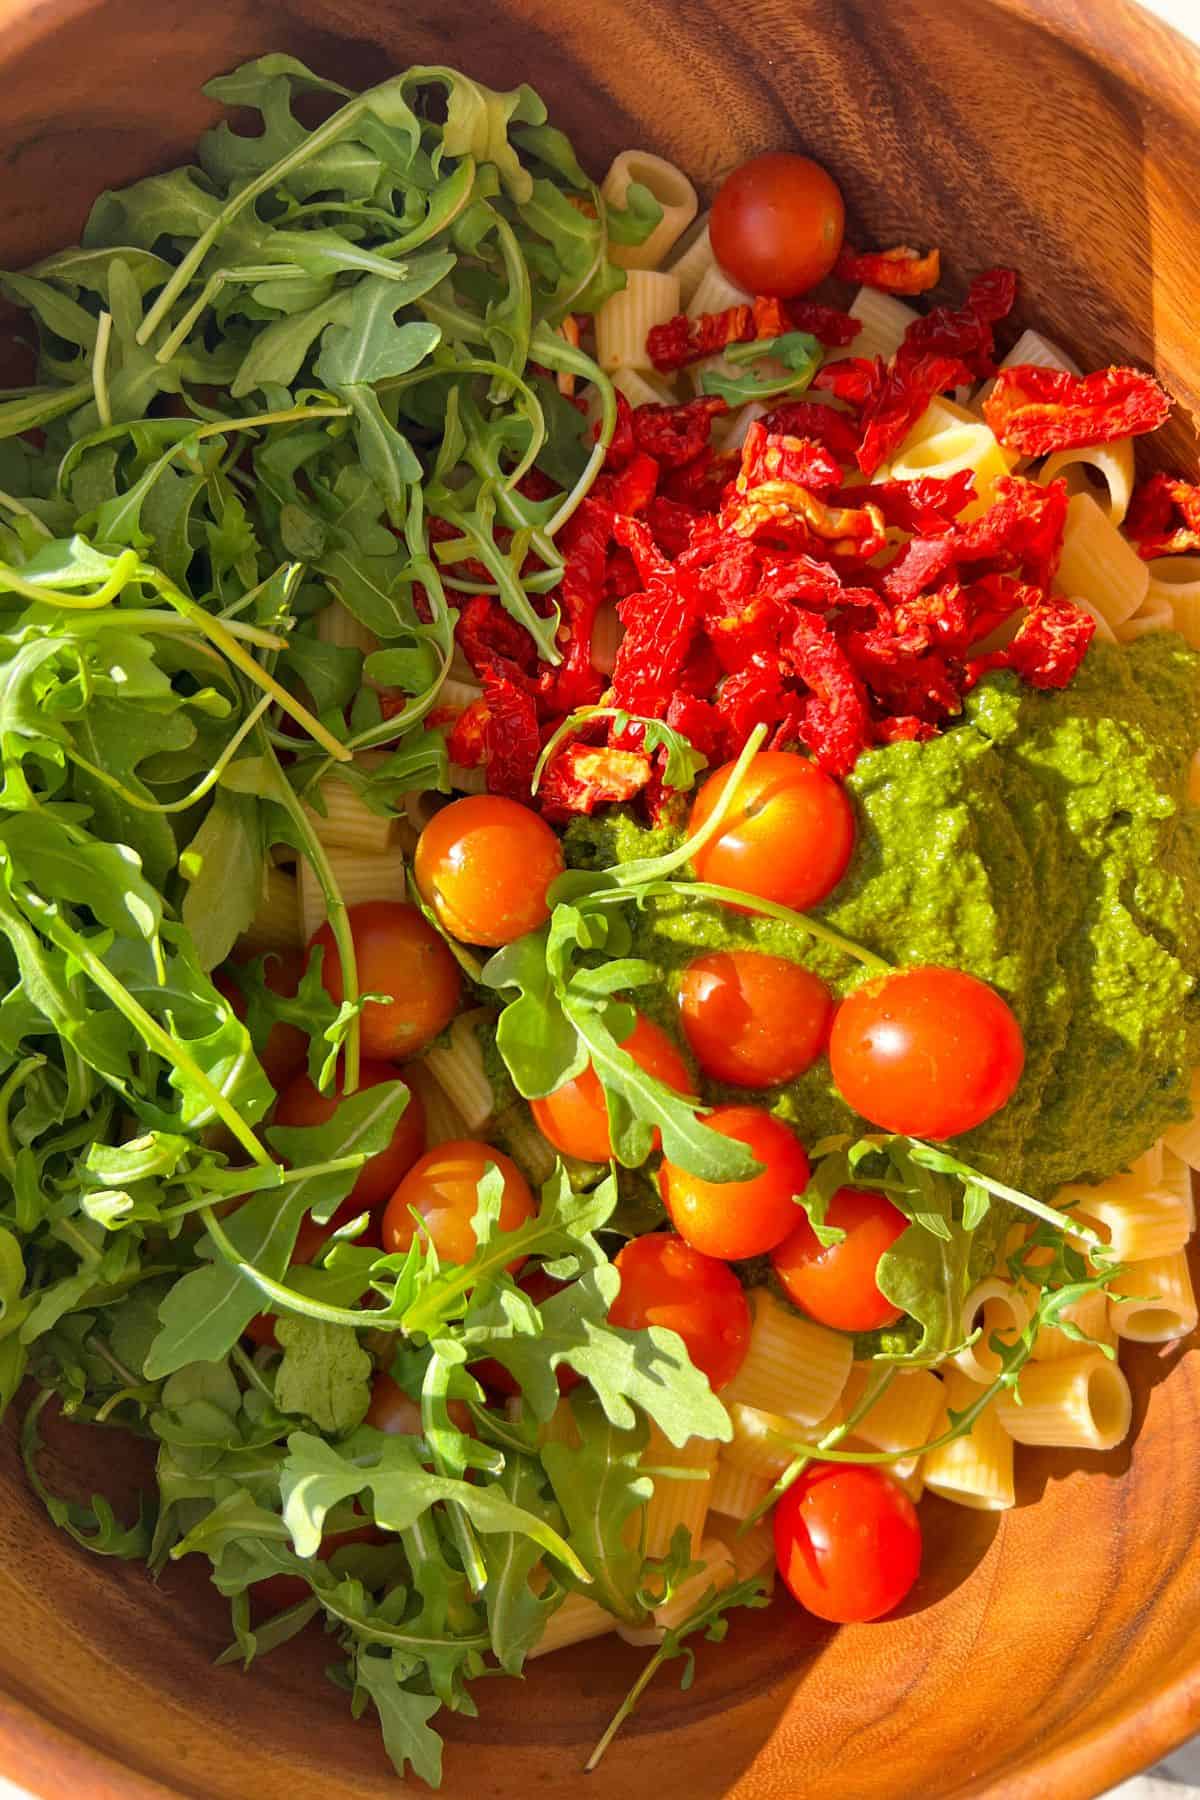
1042	1656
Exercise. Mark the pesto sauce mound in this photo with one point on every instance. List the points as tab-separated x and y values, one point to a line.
1045	843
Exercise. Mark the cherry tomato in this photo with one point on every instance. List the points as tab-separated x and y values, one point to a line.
310	1238
539	1286
286	1049
847	1542
926	1051
484	864
575	1118
401	955
787	836
665	1282
836	1286
392	1411
303	1104
753	1020
442	1188
776	224
731	1219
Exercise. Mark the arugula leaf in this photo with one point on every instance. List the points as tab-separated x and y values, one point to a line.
404	1715
324	1374
517	1615
599	1486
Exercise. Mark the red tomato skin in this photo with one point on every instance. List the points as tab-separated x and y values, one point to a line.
574	1117
926	1051
392	1411
751	1020
847	1542
399	954
286	1050
665	1282
484	864
777	224
837	1286
441	1187
539	1286
733	1219
303	1104
788	835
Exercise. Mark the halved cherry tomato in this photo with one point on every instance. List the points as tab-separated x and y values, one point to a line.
837	1286
929	1052
484	864
787	836
401	955
575	1118
392	1411
776	224
286	1049
753	1020
539	1286
443	1190
847	1542
303	1104
665	1282
731	1219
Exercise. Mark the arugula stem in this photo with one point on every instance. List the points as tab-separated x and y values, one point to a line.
14	1081
202	787
124	570
814	928
104	327
629	1704
167	624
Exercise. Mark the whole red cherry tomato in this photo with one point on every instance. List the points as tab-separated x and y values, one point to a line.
847	1542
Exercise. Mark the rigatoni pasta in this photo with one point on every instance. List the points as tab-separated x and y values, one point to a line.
678	1501
883	320
456	1064
669	186
359	876
1075	1403
648	298
277	922
792	1366
1100	565
974	1470
1153	1302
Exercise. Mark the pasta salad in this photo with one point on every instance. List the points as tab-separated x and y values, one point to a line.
599	859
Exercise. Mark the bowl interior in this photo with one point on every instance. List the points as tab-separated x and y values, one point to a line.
1049	1651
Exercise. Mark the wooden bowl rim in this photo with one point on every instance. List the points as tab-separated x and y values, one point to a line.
36	1747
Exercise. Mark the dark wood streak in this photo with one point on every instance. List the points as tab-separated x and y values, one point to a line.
1047	1654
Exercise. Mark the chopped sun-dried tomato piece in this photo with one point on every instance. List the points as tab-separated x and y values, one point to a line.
621	445
965	331
510	735
1049	646
773	456
851	378
581	777
827	324
770	318
1164	517
1021	531
1036	410
684	340
631	489
896	271
768	498
701	484
835	721
465	743
821	424
489	638
670	524
931	503
584	541
898	397
675	435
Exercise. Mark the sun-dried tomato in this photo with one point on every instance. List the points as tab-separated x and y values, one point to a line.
699	722
1021	531
620	573
770	318
768	500
671	524
584	542
772	456
631	489
659	626
827	324
896	271
511	739
1049	646
701	484
835	720
1164	517
821	424
465	744
851	378
684	340
489	638
758	694
535	486
1037	410
580	778
898	397
675	435
965	331
930	503
622	444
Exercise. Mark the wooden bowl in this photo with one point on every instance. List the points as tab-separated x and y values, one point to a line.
1050	1652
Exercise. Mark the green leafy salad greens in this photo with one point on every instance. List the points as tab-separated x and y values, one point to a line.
261	382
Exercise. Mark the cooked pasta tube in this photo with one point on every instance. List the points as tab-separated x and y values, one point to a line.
884	321
1156	613
737	1492
1153	1302
1098	564
753	1550
1104	631
641	389
337	625
949	452
677	1501
1141	1215
716	293
276	924
760	1442
939	415
444	1123
349	822
574	1622
974	1470
674	193
1089	1315
1111	463
1177	579
911	1478
905	1412
648	298
693	261
469	781
534	1154
1042	352
456	1064
1078	1403
358	876
717	1572
993	1306
792	1366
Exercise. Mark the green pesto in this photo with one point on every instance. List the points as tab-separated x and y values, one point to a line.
1045	844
